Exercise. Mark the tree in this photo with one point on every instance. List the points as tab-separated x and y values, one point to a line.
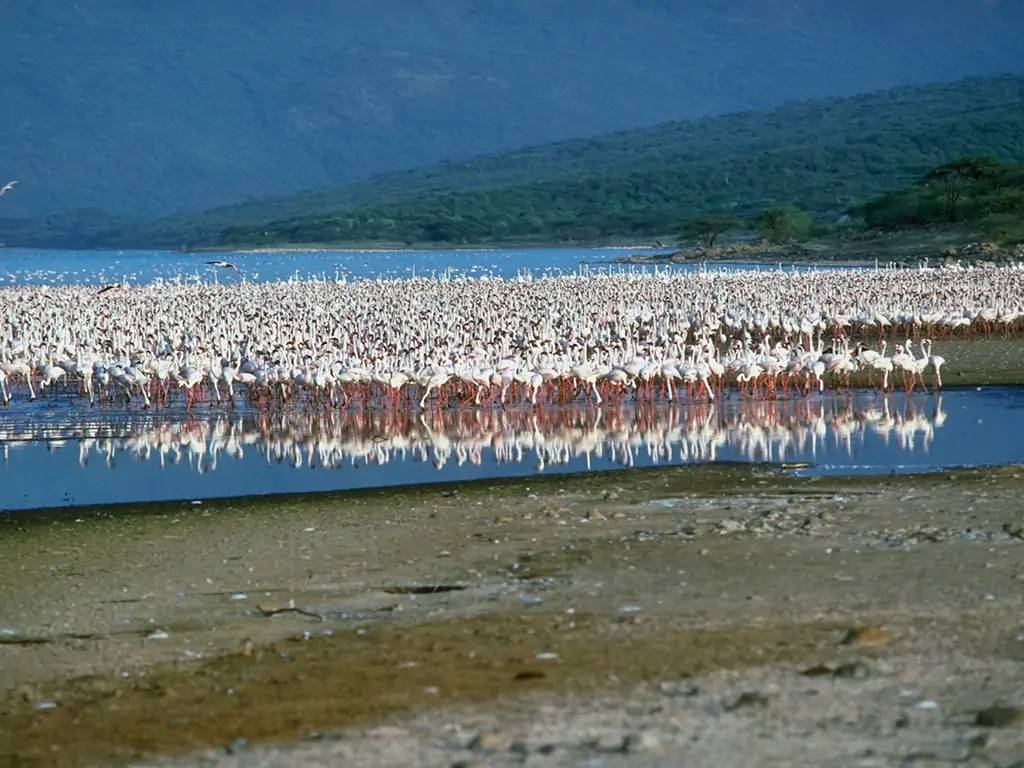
953	178
708	227
782	223
902	208
1003	227
1011	201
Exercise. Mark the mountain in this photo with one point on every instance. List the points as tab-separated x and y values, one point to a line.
825	156
147	109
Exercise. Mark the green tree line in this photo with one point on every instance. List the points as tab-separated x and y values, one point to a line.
983	191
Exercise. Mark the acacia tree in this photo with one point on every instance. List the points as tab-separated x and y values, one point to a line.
1014	203
952	179
708	227
777	225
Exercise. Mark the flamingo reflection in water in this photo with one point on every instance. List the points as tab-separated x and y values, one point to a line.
755	430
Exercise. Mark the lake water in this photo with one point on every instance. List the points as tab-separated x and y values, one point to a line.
53	453
57	454
42	267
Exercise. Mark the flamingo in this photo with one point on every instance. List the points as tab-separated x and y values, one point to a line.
936	361
532	338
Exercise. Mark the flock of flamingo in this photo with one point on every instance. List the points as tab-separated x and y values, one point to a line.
437	342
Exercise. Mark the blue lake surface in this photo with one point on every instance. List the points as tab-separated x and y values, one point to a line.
43	267
55	454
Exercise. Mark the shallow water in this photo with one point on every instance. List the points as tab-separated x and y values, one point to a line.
57	267
55	454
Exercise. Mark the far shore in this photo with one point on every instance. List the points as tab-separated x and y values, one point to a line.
349	248
934	245
425	247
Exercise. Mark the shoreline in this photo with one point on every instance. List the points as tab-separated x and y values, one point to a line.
735	606
902	247
754	259
482	602
369	248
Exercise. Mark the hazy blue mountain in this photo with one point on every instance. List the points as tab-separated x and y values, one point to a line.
826	156
820	153
153	107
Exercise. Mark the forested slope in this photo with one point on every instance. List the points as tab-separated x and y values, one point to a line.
152	108
825	156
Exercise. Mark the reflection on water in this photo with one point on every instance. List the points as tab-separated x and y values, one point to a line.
181	455
753	430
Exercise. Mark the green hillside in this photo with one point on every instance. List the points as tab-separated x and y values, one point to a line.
824	156
155	108
982	192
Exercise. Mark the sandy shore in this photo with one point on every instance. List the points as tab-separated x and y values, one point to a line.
642	618
979	361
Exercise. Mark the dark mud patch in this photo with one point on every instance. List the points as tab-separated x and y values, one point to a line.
17	640
545	565
288	690
422	589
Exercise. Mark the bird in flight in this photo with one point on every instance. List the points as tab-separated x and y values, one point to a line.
659	244
7	187
106	288
224	265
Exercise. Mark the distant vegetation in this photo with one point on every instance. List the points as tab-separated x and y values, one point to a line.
982	196
783	223
983	191
706	228
797	170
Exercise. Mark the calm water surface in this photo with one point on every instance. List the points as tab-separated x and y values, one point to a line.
58	454
42	267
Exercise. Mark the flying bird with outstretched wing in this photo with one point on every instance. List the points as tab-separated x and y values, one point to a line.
108	288
7	187
224	265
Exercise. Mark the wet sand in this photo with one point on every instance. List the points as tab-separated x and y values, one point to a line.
651	616
980	361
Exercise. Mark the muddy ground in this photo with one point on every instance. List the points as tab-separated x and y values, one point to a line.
702	615
981	360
